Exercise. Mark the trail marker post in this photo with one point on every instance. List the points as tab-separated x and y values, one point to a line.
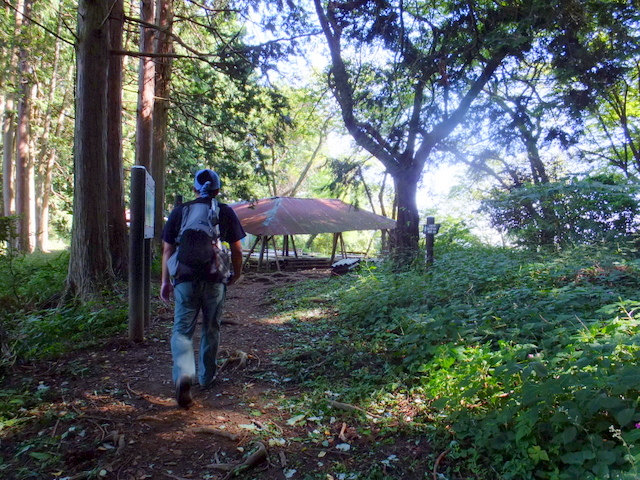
141	233
430	230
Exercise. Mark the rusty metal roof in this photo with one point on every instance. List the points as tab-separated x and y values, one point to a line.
293	216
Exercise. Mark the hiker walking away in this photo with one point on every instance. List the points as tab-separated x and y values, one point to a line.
195	267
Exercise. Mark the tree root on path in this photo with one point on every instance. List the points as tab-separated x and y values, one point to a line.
215	431
236	361
253	460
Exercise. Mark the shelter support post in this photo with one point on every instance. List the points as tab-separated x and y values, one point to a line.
246	261
337	237
275	251
334	247
285	246
263	247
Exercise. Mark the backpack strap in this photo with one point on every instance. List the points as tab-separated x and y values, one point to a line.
214	217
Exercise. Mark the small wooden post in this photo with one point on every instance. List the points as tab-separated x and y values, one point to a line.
430	230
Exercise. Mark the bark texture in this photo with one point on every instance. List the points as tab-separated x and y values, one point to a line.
163	46
90	268
118	246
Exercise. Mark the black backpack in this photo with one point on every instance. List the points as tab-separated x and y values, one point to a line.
200	254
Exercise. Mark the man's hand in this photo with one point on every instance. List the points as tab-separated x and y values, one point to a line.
235	279
236	262
165	291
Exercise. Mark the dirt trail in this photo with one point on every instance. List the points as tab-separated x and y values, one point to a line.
111	412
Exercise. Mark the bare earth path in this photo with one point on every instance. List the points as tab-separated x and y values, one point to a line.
111	413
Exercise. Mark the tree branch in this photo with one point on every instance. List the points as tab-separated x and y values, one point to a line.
49	31
363	133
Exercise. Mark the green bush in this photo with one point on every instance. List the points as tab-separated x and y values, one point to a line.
27	281
600	208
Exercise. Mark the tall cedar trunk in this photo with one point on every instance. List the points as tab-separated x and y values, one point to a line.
31	175
24	170
90	263
115	174
9	120
46	154
48	160
146	89
164	46
8	139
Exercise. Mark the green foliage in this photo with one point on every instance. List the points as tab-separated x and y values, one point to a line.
222	116
453	235
533	361
29	281
56	331
7	229
34	324
595	209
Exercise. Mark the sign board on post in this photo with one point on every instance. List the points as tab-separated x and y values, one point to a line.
149	206
430	230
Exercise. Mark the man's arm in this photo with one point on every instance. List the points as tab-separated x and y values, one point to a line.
166	288
236	261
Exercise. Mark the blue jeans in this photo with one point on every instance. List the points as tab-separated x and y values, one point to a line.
191	297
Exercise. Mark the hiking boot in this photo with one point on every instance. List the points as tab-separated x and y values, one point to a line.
183	391
209	385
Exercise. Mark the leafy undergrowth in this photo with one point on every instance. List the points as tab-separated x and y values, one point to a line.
496	363
34	323
493	364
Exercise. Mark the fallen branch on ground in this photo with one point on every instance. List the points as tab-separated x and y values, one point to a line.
438	460
342	430
174	477
148	418
350	408
216	431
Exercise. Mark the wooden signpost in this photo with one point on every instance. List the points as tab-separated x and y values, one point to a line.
141	233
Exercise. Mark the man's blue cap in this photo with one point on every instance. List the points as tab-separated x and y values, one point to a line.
206	180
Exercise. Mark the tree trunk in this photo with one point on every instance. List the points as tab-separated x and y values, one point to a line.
118	245
90	264
384	234
9	119
407	222
24	169
146	89
46	152
8	144
164	46
49	155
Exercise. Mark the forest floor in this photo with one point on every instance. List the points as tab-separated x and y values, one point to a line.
111	413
